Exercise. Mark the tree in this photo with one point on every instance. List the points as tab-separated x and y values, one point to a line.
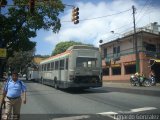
18	24
20	60
63	46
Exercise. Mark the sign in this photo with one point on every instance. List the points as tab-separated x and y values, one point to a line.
3	52
130	63
116	65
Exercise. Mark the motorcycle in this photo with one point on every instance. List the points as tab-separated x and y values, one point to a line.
152	80
139	81
134	80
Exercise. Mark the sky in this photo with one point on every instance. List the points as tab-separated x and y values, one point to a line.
97	19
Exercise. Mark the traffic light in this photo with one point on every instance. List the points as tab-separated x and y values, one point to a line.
31	6
3	3
75	15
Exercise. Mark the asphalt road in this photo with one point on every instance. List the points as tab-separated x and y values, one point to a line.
47	103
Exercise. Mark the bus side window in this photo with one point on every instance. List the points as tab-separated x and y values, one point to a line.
48	66
61	64
52	66
56	65
66	64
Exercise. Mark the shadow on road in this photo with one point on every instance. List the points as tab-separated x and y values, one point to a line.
85	91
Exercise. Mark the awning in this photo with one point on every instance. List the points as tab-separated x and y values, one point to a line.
154	61
158	61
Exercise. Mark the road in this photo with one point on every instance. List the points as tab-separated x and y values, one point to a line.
45	102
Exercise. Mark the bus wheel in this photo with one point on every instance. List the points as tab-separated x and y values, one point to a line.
55	84
42	81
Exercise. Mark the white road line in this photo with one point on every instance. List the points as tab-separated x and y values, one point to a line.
73	117
142	109
108	114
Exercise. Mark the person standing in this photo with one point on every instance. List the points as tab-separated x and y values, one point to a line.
13	89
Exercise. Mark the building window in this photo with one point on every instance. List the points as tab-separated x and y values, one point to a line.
105	52
116	70
114	50
130	69
150	47
118	49
105	71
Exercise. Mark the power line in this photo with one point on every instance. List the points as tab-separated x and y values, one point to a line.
102	16
105	15
142	8
144	12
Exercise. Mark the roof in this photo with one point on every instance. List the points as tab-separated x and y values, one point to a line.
56	56
130	35
82	47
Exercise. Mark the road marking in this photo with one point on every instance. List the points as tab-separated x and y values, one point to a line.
108	114
142	109
112	114
73	118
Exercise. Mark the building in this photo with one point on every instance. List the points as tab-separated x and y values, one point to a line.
119	58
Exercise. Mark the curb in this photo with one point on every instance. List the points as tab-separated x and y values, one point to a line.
134	91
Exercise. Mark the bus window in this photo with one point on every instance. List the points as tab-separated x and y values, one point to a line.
45	66
86	62
61	64
66	63
48	66
42	68
56	65
52	66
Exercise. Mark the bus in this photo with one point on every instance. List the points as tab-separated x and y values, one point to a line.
80	66
32	74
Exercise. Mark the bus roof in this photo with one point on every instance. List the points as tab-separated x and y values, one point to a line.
68	51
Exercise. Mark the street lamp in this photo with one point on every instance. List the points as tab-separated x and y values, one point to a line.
116	33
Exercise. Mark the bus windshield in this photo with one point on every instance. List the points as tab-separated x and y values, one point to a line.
86	62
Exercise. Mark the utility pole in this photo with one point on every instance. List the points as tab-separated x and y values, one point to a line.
135	41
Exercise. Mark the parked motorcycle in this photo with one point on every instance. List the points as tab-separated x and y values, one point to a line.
134	80
137	80
152	80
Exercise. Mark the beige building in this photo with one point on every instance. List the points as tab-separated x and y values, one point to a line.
119	58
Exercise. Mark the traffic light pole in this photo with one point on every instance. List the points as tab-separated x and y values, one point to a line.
135	42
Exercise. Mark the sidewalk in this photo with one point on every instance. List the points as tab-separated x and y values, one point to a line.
126	87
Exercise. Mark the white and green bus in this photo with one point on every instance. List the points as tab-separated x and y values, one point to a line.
78	67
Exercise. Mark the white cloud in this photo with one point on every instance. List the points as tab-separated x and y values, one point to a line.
91	31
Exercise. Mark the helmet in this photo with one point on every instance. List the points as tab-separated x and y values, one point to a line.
136	73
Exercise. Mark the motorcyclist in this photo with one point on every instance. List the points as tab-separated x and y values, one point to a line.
151	74
137	75
152	77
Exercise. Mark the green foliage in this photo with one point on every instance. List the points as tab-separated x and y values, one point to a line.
20	60
18	25
63	46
